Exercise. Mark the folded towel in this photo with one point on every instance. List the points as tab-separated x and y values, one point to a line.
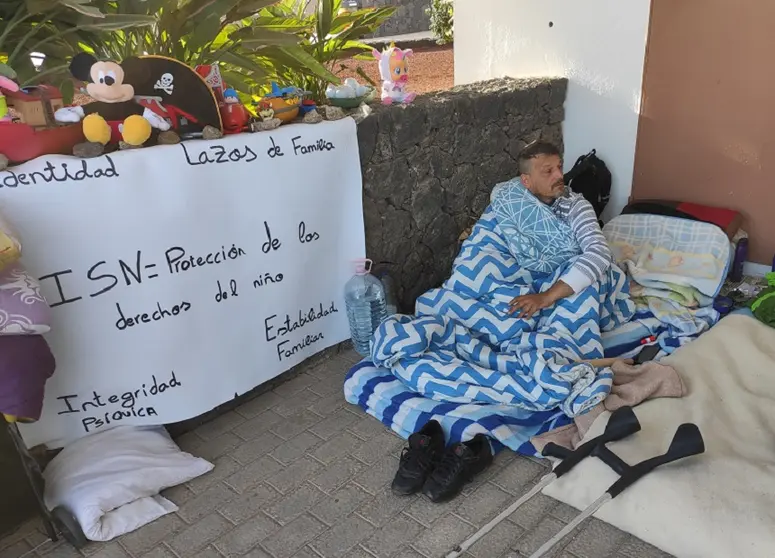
632	385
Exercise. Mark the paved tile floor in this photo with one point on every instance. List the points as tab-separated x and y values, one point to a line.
299	473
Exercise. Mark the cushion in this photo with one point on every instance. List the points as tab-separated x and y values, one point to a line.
111	479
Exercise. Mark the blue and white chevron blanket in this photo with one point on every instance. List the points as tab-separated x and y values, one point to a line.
465	361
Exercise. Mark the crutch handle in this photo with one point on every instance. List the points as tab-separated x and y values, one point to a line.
622	423
604	454
553	450
687	441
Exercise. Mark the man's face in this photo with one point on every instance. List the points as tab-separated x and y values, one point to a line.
545	179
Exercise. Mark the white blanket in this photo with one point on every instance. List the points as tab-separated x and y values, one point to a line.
720	504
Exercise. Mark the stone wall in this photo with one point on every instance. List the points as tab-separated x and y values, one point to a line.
410	16
429	167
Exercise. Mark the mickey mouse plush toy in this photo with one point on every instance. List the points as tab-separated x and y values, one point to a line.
115	115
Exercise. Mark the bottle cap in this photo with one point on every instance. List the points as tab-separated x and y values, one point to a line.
363	266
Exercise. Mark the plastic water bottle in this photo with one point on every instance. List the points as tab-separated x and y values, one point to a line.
364	297
391	300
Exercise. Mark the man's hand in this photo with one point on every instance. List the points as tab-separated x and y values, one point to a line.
527	305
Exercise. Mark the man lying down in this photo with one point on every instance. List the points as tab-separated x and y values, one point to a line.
540	173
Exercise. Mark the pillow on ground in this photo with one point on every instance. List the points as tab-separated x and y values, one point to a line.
111	480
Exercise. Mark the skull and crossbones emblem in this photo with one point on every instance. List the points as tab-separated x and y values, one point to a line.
165	83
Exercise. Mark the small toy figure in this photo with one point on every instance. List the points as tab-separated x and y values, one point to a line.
265	110
394	71
233	113
285	102
266	113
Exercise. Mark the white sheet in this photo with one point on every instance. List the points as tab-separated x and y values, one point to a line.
111	480
720	504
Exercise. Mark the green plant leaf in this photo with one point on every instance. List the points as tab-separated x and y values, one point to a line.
237	81
324	16
249	64
362	73
82	6
7	71
204	33
285	24
114	22
67	88
39	6
191	8
306	61
249	7
257	36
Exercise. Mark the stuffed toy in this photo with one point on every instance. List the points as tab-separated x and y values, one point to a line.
115	114
178	94
394	71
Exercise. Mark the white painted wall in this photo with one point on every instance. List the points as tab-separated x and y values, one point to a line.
599	45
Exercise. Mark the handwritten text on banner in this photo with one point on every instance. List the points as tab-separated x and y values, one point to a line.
181	276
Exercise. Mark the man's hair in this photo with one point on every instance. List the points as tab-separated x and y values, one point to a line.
533	150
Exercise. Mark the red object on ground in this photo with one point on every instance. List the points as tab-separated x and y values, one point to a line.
20	142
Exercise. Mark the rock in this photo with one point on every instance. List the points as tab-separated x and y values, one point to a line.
88	149
265	125
123	146
168	138
361	113
312	117
428	168
3	162
211	133
332	113
427	199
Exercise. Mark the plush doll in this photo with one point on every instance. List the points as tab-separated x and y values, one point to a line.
394	71
115	115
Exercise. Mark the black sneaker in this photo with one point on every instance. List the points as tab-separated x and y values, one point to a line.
418	459
460	464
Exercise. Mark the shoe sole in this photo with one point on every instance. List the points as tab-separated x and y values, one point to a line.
401	492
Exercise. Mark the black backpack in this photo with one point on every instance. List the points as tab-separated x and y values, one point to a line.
591	178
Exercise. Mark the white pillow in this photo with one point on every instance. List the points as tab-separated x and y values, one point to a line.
111	480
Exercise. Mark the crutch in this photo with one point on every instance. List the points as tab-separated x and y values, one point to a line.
621	424
687	441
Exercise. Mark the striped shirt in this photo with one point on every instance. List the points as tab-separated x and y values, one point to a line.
596	257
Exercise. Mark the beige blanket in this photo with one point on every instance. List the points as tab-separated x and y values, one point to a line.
720	504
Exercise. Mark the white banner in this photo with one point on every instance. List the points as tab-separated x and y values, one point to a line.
183	276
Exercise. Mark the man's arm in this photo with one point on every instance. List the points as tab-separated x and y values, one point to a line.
596	257
590	266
